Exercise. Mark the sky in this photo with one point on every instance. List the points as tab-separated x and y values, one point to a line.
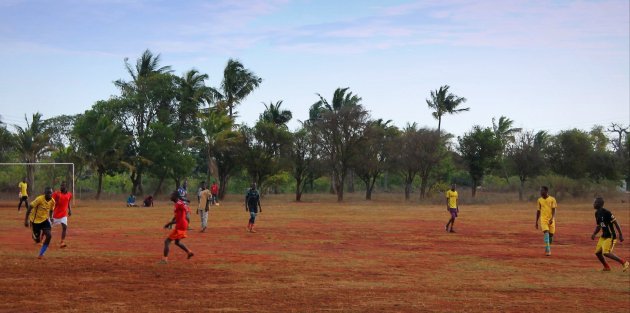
548	65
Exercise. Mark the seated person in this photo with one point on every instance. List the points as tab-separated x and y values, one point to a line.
131	201
148	201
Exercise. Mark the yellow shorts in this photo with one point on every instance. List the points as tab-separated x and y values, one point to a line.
605	245
544	226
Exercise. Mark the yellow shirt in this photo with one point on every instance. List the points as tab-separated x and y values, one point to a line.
40	209
23	186
545	207
452	198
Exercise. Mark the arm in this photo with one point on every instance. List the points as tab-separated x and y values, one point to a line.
69	208
259	206
169	224
246	207
537	218
618	230
597	229
447	202
553	215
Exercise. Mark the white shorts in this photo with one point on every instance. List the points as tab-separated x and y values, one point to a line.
63	220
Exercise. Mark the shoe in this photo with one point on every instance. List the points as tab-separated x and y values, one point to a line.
203	230
606	269
163	262
40	257
62	245
451	231
190	254
548	253
446	228
626	266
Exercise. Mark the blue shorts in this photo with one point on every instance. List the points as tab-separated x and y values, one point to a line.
453	212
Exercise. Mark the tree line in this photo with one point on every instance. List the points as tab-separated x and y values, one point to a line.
171	127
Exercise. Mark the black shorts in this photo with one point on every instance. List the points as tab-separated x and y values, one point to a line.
38	228
24	198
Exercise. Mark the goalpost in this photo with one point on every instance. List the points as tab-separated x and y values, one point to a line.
43	164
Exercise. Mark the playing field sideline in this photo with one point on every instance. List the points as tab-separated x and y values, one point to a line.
354	257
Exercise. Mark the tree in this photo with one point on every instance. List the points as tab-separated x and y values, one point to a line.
32	143
218	136
420	150
570	152
102	142
274	114
339	127
304	159
376	153
443	102
6	141
238	82
526	156
504	132
147	98
480	149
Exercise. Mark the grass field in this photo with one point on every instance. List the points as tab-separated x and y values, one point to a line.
359	256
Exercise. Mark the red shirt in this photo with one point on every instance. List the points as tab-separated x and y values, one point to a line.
214	189
62	202
180	215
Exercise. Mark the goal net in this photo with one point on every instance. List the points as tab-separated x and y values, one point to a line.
42	175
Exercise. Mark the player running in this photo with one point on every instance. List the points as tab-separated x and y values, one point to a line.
605	221
37	216
204	206
62	211
546	214
252	205
452	207
181	225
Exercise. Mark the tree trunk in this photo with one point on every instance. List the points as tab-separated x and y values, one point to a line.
159	186
298	190
474	188
136	180
386	181
332	183
339	181
100	185
424	181
351	181
407	190
223	181
30	179
521	189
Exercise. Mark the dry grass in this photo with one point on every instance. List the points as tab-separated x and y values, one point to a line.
319	256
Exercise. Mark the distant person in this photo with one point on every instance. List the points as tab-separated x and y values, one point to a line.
452	207
214	191
546	214
23	194
131	201
62	211
148	201
38	218
199	190
252	206
605	221
204	206
181	225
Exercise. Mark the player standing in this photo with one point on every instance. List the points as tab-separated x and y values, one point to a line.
252	205
214	190
37	215
204	206
546	214
23	195
62	211
452	207
181	225
605	221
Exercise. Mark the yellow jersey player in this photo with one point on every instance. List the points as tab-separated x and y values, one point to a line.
23	195
38	217
606	222
546	214
452	207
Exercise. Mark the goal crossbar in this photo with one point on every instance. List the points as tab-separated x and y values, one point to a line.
29	164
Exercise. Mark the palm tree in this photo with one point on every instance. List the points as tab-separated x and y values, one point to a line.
273	114
32	142
504	132
443	102
217	128
238	82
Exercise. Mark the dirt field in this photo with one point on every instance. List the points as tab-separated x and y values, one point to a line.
379	256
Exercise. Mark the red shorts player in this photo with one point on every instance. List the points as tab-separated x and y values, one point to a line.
181	225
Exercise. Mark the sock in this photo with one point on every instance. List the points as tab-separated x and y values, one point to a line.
623	261
547	247
550	239
43	249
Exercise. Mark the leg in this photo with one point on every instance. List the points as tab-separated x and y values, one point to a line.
64	229
452	224
601	259
547	245
36	233
550	238
252	220
204	220
47	236
183	247
167	244
612	256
